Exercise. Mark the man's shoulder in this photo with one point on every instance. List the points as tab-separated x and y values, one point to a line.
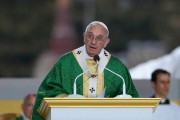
115	61
114	58
116	64
66	56
70	55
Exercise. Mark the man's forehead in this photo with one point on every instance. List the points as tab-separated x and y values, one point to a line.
97	29
29	98
163	77
97	26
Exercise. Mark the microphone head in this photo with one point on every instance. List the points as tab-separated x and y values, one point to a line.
96	58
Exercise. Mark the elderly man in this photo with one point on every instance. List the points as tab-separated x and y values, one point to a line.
60	80
27	107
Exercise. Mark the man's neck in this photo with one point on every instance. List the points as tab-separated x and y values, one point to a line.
159	96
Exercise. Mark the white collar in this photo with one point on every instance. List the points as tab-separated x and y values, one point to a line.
86	54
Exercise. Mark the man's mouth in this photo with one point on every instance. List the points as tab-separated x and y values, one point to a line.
92	47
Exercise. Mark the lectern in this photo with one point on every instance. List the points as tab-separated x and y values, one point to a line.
98	108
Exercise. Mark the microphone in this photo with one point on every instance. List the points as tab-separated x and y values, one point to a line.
124	95
75	95
96	58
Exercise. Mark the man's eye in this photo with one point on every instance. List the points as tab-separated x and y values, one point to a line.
90	36
99	38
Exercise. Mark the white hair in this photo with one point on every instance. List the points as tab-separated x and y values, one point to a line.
98	23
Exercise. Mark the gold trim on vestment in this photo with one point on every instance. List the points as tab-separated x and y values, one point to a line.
100	79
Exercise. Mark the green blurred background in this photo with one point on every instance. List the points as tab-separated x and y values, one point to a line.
26	27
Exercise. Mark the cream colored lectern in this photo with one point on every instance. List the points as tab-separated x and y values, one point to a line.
98	108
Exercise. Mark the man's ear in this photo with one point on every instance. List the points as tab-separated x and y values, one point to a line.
84	37
107	42
153	84
22	106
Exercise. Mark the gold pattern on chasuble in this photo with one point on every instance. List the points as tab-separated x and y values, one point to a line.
94	71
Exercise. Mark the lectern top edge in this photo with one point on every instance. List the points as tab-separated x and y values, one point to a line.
49	103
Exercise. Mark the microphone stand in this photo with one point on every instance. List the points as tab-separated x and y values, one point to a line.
80	75
75	95
124	95
96	59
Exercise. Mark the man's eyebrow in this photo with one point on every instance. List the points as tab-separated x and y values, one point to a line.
89	32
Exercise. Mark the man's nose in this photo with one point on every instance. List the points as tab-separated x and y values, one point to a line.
94	41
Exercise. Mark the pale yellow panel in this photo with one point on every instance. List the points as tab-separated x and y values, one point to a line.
176	101
13	106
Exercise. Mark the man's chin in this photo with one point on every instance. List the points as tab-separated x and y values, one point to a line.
91	54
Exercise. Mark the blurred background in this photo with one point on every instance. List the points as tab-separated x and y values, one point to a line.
35	33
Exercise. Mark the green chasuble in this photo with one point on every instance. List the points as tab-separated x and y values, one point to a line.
61	78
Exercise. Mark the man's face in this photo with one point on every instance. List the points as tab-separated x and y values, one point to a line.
28	105
162	84
95	40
